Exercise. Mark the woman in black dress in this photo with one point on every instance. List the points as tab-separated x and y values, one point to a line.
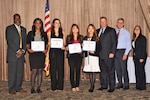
57	58
74	60
139	57
36	59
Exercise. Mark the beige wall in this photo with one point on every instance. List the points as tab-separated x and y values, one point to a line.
81	12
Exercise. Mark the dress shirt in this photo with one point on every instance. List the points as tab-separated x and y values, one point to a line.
124	40
101	31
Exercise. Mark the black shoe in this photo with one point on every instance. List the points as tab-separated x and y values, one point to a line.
102	88
91	89
118	87
111	90
126	87
38	91
33	91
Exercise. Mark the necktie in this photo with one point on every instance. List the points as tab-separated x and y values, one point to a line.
101	32
19	31
118	33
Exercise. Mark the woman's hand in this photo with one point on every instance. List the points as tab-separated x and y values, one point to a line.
82	45
92	52
49	44
141	60
31	51
45	51
67	48
63	48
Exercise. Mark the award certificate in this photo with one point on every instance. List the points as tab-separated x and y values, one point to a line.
38	45
89	45
74	48
56	42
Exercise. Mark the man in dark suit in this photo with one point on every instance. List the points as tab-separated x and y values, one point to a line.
108	42
16	41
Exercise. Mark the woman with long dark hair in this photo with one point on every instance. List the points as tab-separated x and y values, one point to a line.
139	57
57	57
75	60
94	68
36	59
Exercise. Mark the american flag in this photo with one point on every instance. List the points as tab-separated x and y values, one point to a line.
47	29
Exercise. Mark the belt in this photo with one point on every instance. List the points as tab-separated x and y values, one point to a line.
121	49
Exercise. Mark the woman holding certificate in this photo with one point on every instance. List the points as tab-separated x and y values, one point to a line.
37	47
91	48
74	41
57	43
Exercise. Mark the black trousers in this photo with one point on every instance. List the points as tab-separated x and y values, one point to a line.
140	74
15	74
75	61
121	69
57	69
107	74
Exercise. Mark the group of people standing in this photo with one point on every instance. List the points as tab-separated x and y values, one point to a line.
112	50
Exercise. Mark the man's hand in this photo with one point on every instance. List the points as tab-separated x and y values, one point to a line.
19	54
124	57
111	55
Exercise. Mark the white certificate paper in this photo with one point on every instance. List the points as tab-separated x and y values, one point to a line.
56	43
74	48
89	45
37	46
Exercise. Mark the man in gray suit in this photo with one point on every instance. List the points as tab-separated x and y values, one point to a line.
16	41
108	42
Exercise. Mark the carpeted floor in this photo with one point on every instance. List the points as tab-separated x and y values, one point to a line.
67	94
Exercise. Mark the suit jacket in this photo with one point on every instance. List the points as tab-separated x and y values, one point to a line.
13	42
97	49
140	48
108	42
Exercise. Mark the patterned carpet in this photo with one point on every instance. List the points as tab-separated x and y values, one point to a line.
67	94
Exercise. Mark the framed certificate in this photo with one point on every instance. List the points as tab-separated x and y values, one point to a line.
38	45
89	45
56	43
74	48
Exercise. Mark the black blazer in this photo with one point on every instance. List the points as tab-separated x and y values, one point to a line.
69	42
30	37
139	52
108	42
97	49
13	40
